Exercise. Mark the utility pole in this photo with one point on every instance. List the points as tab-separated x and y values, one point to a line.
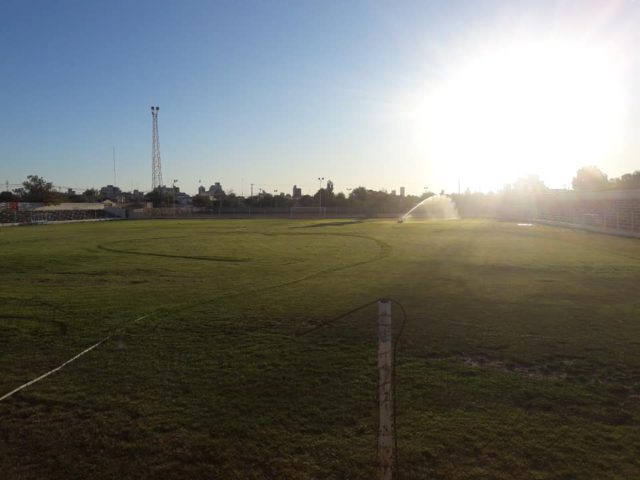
174	197
252	189
386	427
114	166
320	179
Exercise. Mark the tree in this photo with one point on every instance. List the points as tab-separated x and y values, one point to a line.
529	184
359	194
90	195
8	197
160	197
340	200
201	201
589	179
306	201
628	181
37	189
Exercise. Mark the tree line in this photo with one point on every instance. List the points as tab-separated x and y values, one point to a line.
37	190
589	178
359	199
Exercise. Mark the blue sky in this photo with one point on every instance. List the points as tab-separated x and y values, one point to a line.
269	93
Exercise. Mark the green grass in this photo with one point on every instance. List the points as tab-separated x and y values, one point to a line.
520	357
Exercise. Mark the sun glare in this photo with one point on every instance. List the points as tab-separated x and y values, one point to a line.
536	108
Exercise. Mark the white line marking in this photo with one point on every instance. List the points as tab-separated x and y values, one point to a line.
67	362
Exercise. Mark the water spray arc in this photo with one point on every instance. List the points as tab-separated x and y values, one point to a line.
437	206
156	166
406	215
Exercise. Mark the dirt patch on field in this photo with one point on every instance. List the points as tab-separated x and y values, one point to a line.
539	372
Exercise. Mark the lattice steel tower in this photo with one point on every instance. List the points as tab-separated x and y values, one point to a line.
156	167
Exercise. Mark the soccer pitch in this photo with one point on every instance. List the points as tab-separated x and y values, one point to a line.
520	357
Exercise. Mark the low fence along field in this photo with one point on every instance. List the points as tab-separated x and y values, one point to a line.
520	357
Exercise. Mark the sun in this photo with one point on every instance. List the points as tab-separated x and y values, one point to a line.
543	107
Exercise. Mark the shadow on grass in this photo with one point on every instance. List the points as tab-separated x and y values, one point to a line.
331	224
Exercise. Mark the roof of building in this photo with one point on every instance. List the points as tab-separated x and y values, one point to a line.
71	206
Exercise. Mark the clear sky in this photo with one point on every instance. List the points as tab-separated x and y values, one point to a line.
376	93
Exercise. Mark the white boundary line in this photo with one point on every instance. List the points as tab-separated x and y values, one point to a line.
16	390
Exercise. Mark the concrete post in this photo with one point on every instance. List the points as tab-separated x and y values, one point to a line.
385	391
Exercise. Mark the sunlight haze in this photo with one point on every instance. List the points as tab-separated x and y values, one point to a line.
541	107
437	95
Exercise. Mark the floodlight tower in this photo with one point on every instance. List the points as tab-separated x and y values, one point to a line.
156	167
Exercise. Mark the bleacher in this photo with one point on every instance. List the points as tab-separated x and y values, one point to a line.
13	214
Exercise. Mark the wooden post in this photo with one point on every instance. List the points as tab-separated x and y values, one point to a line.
385	391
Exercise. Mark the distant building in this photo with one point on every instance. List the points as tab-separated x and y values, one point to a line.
402	191
215	191
297	192
166	190
393	192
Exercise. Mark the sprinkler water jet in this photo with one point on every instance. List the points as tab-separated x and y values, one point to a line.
436	206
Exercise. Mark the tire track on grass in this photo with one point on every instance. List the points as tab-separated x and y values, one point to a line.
214	258
383	252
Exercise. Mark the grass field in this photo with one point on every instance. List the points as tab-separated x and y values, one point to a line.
520	357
